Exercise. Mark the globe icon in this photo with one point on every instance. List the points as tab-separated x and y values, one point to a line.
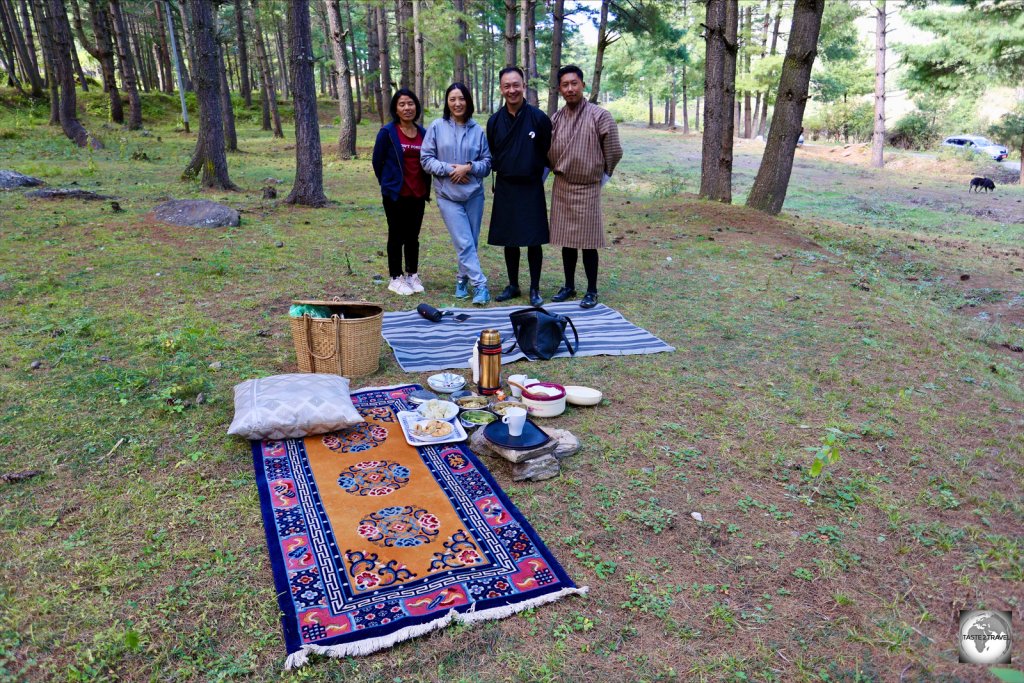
985	637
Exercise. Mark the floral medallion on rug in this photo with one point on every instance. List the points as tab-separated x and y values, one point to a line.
373	541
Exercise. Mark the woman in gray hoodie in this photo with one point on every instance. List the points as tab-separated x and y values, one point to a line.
455	153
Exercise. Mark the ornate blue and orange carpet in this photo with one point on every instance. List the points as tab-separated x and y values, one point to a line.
373	541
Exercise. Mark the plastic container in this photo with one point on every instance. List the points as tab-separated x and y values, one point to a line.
544	399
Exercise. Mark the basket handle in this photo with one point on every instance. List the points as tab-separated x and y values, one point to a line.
337	337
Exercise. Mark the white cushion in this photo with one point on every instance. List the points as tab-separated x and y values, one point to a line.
292	406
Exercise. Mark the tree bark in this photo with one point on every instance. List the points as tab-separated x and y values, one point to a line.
530	40
405	79
63	73
282	60
340	72
373	62
650	109
355	60
763	129
510	35
163	52
878	135
460	50
73	53
134	38
103	52
266	72
385	57
227	109
209	161
26	23
418	48
602	43
186	37
772	181
124	54
179	71
39	16
719	93
308	189
557	18
686	105
244	84
670	119
748	131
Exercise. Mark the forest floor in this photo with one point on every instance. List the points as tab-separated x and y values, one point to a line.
886	305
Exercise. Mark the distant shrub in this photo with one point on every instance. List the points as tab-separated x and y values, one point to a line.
914	131
9	134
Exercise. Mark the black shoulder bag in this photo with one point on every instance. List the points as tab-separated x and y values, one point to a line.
539	333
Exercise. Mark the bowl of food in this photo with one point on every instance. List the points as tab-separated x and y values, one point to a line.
437	409
432	430
472	402
476	418
500	407
544	399
446	382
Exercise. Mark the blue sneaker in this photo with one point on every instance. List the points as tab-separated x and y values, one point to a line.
481	296
461	288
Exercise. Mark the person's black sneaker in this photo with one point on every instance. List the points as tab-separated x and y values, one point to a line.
510	292
563	294
535	298
589	300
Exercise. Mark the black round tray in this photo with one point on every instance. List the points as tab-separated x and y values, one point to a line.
533	436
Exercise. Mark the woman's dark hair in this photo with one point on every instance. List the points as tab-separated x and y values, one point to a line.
570	69
510	70
411	95
465	93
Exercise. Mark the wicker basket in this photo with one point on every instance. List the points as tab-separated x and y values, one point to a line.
348	343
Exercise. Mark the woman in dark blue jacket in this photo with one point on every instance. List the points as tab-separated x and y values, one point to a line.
405	188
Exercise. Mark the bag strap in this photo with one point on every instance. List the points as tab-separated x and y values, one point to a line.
572	351
309	345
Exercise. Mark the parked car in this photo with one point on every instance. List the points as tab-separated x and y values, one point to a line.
977	143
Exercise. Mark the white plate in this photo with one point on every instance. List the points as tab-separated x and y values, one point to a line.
408	419
446	382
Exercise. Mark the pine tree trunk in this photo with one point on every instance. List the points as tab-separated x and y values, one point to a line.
696	114
719	84
179	72
134	44
418	49
75	63
124	54
460	49
308	189
266	72
686	105
602	44
763	129
385	57
209	161
769	191
748	131
103	52
32	69
405	79
531	53
341	73
176	36
671	118
878	135
163	53
63	73
244	84
226	107
17	39
510	35
39	14
282	61
373	63
355	60
264	107
557	17
650	109
186	37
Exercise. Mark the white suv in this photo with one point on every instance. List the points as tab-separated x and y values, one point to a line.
978	144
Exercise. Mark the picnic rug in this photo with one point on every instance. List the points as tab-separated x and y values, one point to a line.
373	541
421	345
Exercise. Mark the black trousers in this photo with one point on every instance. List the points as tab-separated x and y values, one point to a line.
405	217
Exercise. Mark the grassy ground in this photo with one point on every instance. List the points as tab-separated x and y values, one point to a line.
138	551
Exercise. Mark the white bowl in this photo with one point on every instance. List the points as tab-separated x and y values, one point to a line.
544	399
427	410
446	382
582	396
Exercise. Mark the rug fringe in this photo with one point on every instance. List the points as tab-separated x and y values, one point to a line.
371	645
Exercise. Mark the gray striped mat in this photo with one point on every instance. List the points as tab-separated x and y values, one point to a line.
421	345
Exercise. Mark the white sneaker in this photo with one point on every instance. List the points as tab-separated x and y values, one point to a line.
399	286
413	280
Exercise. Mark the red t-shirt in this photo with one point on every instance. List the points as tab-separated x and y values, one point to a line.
413	177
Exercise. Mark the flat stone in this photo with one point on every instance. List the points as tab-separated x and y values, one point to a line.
196	213
12	179
566	442
537	469
66	193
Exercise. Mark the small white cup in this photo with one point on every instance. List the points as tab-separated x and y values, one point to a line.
515	418
518	379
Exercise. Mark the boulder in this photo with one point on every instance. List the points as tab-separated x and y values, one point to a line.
566	442
66	193
196	213
479	444
12	179
537	469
